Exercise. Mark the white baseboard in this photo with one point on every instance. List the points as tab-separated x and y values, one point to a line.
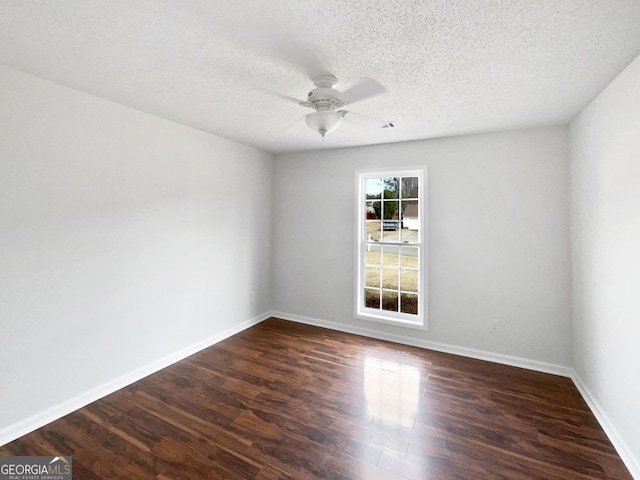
629	457
55	412
437	346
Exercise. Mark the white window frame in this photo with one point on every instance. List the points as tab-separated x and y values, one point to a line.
378	315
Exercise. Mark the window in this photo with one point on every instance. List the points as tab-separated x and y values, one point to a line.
390	285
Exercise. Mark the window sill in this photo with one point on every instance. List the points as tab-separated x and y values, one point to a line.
373	316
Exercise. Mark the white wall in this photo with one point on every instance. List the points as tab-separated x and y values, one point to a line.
605	241
499	239
124	238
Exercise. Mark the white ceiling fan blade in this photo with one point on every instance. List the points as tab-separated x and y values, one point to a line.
291	99
366	89
364	121
284	97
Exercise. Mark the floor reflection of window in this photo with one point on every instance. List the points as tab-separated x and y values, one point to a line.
392	391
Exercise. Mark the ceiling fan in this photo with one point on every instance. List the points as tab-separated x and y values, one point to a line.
327	102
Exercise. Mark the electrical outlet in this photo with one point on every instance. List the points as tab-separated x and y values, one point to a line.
493	328
252	296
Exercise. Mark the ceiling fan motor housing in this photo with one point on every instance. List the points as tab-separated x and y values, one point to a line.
324	96
324	99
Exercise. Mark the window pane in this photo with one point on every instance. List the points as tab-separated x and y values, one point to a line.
391	222
373	233
391	187
390	301
373	210
390	278
390	210
409	187
372	277
409	257
409	280
409	303
374	188
391	232
409	236
372	298
372	255
390	256
410	221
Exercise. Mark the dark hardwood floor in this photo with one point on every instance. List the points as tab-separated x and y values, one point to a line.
287	401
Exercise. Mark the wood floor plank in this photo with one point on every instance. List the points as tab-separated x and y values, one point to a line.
283	401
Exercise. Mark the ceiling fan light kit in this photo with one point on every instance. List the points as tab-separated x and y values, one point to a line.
325	121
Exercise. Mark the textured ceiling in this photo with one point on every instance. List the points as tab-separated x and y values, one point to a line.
226	67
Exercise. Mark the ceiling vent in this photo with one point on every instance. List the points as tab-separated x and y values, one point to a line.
389	125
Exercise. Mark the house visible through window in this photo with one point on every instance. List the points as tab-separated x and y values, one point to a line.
391	254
